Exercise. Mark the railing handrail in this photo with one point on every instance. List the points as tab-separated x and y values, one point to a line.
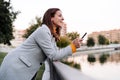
66	72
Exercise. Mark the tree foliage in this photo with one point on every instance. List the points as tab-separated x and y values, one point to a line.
7	17
73	35
102	40
90	42
63	42
32	27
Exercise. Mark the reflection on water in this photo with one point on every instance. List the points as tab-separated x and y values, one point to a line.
101	66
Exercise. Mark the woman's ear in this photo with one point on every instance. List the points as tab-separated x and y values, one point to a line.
52	20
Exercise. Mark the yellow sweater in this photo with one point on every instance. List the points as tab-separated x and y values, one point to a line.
73	47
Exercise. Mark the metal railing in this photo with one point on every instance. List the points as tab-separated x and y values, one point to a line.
61	71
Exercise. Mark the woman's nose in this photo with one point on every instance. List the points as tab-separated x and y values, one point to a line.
62	18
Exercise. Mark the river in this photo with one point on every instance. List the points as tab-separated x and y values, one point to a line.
99	65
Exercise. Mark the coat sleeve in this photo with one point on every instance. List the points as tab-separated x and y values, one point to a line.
43	39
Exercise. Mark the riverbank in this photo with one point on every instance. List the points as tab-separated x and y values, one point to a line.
97	49
85	49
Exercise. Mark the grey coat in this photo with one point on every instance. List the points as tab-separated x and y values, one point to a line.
24	61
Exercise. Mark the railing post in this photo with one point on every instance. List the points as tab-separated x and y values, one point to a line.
53	73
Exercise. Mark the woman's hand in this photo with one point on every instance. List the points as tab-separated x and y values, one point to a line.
77	42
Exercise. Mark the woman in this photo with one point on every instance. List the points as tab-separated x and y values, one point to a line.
23	62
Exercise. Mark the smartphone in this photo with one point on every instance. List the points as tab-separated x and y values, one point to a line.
83	35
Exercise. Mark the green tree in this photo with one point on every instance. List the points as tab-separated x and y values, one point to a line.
33	27
73	35
107	41
7	17
101	39
90	42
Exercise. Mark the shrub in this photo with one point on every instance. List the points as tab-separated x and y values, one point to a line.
63	42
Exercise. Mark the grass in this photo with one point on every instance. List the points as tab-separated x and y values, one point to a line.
39	74
72	64
2	55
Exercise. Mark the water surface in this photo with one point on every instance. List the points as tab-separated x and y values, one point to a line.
101	66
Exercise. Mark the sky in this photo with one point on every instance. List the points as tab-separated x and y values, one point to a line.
80	15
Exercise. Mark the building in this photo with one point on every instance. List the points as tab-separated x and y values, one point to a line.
111	35
18	34
64	30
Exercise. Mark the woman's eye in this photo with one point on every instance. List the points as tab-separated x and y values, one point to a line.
60	15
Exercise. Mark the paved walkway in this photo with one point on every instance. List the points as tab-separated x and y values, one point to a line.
6	49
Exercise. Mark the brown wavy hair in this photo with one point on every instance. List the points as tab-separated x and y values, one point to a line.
47	20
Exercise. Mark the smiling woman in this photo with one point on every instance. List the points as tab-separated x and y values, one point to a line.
27	58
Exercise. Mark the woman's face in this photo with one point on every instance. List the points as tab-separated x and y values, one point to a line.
58	19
